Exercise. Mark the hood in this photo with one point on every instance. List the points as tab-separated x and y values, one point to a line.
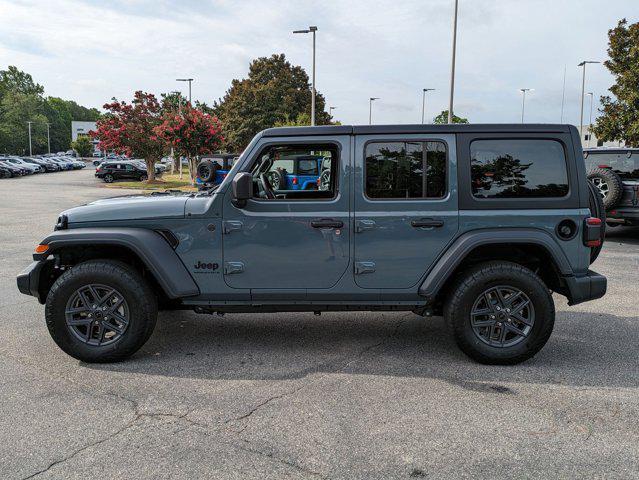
134	207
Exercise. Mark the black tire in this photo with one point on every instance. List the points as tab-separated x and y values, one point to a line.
469	288
277	179
141	307
143	177
108	178
207	171
598	210
609	185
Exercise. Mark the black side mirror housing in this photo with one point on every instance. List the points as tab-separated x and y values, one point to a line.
242	189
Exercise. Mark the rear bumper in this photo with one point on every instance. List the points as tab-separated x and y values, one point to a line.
586	287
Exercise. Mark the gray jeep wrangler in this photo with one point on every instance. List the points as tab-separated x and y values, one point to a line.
478	223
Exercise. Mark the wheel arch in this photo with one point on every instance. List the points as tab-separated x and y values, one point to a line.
145	249
529	247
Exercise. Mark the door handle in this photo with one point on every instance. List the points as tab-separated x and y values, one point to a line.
327	223
426	223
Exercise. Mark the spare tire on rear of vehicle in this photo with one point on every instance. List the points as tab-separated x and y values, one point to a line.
207	170
596	210
609	185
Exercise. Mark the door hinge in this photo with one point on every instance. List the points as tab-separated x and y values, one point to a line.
231	268
364	267
361	225
229	226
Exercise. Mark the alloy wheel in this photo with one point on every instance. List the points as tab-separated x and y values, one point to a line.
602	186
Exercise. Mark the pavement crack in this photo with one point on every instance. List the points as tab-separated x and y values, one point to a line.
266	402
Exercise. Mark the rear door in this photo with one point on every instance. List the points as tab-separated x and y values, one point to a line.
405	207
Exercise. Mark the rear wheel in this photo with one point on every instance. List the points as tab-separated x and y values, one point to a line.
100	311
500	313
108	178
143	178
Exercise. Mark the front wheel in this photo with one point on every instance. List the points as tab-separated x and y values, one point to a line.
100	311
143	178
500	313
108	178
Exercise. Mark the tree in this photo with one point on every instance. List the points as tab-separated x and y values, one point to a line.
620	119
191	134
442	118
83	146
274	91
14	80
129	128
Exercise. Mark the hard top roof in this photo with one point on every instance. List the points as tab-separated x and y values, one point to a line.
416	128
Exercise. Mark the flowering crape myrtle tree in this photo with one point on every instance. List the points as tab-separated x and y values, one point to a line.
191	134
129	129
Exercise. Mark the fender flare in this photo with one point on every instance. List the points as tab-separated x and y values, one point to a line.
149	246
460	248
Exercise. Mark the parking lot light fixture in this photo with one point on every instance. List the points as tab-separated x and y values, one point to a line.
370	109
49	136
30	149
590	119
452	66
523	101
330	110
583	91
311	29
186	80
424	91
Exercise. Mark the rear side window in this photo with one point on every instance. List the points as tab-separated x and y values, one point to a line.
625	164
518	168
404	170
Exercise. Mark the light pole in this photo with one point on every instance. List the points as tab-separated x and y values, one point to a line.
370	109
563	97
424	90
30	150
330	111
49	137
186	80
590	119
523	101
179	99
583	91
452	66
312	30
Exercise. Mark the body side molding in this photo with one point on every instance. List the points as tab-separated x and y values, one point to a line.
152	249
461	247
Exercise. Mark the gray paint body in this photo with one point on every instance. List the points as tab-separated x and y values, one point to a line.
267	253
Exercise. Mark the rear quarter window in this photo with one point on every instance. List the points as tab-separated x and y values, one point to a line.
518	168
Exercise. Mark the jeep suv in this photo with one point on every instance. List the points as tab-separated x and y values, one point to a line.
478	223
121	170
615	173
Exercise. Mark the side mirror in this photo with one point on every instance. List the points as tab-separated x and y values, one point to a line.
242	189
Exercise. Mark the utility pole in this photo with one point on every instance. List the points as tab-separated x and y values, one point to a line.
30	149
452	66
370	109
563	97
330	111
590	120
523	101
186	80
48	138
583	91
424	90
311	29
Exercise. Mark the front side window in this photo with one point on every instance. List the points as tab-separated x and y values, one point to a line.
405	170
293	171
518	168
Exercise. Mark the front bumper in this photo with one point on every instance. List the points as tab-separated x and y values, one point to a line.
587	287
29	279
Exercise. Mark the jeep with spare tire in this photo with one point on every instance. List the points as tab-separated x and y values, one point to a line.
479	224
615	173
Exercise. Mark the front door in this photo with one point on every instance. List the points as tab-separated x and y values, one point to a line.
405	207
285	239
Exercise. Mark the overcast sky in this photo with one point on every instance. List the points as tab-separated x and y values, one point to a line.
92	50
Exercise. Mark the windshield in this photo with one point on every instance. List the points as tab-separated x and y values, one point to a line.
623	163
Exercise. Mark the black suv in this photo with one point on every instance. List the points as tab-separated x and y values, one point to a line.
111	171
615	172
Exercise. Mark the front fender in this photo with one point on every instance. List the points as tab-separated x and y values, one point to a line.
149	246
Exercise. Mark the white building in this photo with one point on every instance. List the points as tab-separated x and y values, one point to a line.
589	139
79	128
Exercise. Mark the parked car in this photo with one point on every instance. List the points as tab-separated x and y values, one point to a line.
96	154
5	172
615	173
111	171
16	170
214	169
32	167
478	223
65	163
46	166
78	164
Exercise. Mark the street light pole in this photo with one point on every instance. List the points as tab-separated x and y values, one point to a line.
563	97
186	80
311	29
452	67
370	109
583	91
590	119
30	149
49	137
330	111
424	90
523	101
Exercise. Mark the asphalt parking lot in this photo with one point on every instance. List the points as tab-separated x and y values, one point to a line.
340	396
